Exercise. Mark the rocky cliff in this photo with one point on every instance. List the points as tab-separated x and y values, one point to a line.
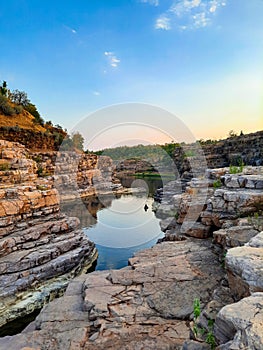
247	149
41	248
223	153
149	304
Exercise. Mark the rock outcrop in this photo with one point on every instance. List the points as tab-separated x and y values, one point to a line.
240	325
149	304
143	306
41	249
229	207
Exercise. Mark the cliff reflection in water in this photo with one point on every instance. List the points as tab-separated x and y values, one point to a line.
86	209
119	226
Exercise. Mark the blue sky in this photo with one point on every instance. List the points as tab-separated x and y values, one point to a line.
198	59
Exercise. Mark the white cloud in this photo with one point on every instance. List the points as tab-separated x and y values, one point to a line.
189	14
96	93
151	2
200	20
112	58
72	30
163	22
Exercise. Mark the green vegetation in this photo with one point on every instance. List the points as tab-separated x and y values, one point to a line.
189	153
210	338
4	166
217	183
15	102
3	89
32	109
77	141
234	169
232	134
256	220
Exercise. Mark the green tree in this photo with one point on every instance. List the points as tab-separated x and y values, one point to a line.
3	88
32	109
78	140
20	98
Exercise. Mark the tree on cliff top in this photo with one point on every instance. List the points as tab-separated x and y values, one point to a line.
20	98
3	88
78	140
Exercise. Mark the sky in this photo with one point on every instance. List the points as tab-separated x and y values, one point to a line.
198	60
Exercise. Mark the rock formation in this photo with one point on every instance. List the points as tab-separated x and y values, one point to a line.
41	248
143	306
212	251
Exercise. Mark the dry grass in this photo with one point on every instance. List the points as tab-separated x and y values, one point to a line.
24	120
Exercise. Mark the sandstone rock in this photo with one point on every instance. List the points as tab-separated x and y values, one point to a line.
257	241
194	345
142	306
234	236
41	249
245	270
240	325
197	229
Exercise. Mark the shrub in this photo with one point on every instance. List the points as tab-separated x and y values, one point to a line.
4	166
217	183
18	109
5	107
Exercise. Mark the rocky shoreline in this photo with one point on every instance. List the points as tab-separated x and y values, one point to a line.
41	248
149	304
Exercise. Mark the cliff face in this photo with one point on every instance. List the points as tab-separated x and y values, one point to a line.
35	140
41	248
247	148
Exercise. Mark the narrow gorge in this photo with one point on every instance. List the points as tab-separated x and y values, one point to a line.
216	260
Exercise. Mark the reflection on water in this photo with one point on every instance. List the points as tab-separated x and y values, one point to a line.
119	226
152	183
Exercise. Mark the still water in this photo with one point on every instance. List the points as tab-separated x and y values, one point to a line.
122	229
119	226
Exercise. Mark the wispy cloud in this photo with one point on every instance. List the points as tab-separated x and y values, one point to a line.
112	59
72	30
189	14
151	2
163	22
96	93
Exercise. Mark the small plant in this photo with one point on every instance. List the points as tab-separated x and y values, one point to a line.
210	338
189	153
217	184
197	312
234	169
4	166
256	220
40	171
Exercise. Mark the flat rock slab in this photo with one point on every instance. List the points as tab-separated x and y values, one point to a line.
143	306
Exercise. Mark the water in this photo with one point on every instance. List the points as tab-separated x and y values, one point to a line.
122	229
119	225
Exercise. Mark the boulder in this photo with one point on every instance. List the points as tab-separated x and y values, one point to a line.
244	267
240	325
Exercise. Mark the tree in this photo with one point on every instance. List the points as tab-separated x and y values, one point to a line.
32	109
3	88
20	98
78	140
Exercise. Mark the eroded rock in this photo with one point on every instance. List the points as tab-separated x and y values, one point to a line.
240	325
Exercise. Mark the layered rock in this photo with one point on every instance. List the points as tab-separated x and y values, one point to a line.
240	325
78	175
40	248
229	206
143	306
